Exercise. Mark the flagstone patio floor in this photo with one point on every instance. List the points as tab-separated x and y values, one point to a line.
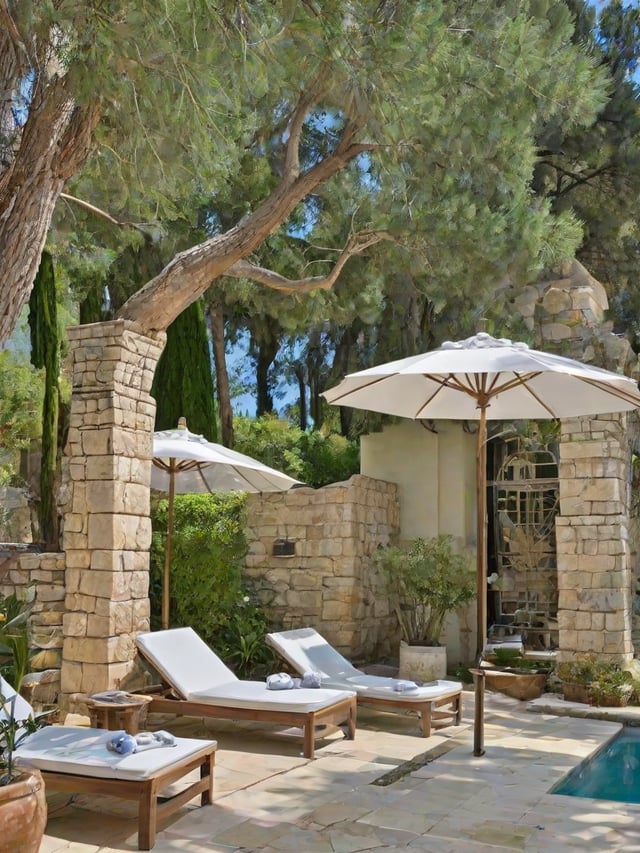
270	799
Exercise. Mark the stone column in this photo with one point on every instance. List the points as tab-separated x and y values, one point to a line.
105	503
594	568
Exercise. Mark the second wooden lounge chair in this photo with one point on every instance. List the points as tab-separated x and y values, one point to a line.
307	650
199	684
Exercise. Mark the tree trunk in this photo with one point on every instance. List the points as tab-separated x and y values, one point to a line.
265	356
191	272
216	320
299	372
54	143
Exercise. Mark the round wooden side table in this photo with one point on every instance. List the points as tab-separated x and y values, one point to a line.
128	713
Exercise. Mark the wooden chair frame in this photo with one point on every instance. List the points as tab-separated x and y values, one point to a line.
146	792
341	712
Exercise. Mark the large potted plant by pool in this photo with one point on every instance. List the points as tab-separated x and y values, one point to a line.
425	579
23	807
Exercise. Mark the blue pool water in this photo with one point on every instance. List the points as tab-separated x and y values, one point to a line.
612	774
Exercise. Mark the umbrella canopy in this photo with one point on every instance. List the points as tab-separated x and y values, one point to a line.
184	463
483	378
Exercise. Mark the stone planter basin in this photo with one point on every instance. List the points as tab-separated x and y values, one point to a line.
523	686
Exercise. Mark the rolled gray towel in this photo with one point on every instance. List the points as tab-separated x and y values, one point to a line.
280	681
311	679
402	686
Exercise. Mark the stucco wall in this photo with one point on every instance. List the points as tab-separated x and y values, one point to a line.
436	476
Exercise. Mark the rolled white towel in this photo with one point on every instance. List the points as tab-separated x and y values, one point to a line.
280	681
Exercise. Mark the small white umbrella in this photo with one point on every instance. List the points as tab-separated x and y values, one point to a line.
184	463
484	378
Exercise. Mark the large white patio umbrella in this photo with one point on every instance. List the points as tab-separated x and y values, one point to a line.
184	463
483	378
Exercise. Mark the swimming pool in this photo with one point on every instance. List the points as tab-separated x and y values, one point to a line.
613	773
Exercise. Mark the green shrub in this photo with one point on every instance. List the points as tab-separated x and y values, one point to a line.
14	639
208	550
312	457
425	579
242	644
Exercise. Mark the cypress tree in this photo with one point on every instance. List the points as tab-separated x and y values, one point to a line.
45	353
183	382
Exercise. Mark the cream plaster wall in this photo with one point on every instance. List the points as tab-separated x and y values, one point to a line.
436	477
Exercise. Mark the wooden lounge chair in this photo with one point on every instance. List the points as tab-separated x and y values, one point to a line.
307	650
76	759
199	684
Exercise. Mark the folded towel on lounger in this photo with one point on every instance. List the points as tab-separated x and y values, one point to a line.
125	744
281	681
311	679
402	686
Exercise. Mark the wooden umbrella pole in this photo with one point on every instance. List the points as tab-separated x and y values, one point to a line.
481	578
167	547
481	532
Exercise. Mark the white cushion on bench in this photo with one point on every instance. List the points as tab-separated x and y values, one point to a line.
83	752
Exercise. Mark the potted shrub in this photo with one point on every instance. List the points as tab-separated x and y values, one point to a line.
508	672
599	682
23	807
425	580
576	676
611	687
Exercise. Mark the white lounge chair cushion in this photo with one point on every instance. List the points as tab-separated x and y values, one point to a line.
185	660
83	752
305	649
256	696
186	663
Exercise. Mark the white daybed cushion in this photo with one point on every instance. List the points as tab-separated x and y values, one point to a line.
305	649
83	752
197	673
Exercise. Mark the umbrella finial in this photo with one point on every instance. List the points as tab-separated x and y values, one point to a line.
182	423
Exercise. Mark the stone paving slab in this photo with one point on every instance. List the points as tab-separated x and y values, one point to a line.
271	799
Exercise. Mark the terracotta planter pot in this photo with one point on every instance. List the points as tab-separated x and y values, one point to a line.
422	663
23	814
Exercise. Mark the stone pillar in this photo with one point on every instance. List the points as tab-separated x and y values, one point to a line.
106	503
594	568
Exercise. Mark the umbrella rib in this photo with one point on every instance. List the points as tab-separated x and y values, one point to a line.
453	382
336	400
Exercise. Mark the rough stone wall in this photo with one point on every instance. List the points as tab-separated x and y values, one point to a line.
566	311
40	579
328	583
106	501
594	565
597	547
